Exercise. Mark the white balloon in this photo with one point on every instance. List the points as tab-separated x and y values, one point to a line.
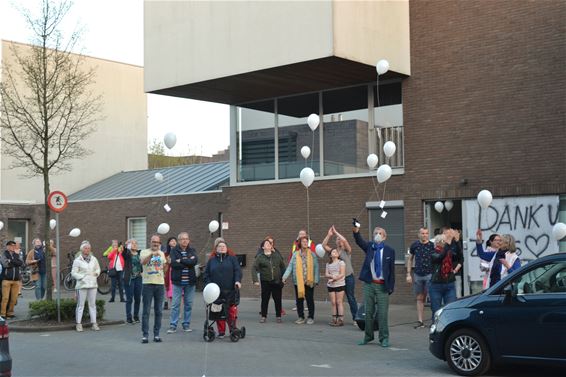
170	139
449	204
158	176
213	226
383	173
163	228
75	232
320	251
313	121
210	293
305	152
52	223
1	225
307	177
559	231
484	198
372	161
389	148
439	207
382	66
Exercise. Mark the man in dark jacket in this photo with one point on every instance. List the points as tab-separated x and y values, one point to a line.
184	279
11	263
378	275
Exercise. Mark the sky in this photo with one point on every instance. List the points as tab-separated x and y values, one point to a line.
113	30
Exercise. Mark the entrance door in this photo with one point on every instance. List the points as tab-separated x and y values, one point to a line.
18	231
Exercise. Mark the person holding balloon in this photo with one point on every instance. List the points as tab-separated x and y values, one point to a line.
305	272
224	270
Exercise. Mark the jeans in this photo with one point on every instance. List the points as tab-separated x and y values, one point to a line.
156	293
309	295
188	293
269	289
376	294
441	294
133	294
119	281
350	294
40	286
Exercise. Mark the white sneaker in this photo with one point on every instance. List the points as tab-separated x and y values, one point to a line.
79	327
95	327
54	290
310	321
300	321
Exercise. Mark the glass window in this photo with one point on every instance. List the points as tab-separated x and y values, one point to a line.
18	232
256	141
394	225
294	133
346	130
137	230
549	278
388	118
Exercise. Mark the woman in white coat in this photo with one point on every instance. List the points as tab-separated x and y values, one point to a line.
85	271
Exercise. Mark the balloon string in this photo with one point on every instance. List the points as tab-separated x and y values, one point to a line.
312	149
308	213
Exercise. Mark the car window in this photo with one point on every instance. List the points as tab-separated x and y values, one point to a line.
549	278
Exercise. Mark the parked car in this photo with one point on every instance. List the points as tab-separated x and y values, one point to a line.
5	358
520	319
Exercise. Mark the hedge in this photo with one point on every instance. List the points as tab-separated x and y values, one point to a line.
48	309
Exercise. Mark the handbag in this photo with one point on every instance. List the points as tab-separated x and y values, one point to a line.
113	272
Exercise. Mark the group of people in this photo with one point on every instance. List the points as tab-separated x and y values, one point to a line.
150	277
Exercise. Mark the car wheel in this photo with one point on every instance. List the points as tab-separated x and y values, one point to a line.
467	353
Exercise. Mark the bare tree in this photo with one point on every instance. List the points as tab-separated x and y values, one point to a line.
47	106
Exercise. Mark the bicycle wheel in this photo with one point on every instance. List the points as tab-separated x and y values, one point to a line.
104	283
69	282
27	283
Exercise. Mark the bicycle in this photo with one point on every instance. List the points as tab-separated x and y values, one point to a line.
27	282
104	282
65	277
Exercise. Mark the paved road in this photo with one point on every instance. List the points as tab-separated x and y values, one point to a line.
269	349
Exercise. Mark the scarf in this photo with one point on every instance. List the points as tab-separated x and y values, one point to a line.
446	265
299	272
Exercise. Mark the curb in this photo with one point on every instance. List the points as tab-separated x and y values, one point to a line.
15	328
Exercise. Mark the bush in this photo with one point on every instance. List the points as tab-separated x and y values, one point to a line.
48	309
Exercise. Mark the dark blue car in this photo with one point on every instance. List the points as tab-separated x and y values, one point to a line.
520	319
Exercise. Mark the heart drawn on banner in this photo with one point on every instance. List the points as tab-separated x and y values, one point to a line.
536	248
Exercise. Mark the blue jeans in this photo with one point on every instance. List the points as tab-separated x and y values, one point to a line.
118	281
350	287
188	292
40	286
440	295
133	294
154	292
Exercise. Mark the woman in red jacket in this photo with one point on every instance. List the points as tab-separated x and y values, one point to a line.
116	262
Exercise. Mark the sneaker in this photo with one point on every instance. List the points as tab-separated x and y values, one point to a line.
221	336
294	309
136	320
111	300
144	340
54	290
420	325
95	327
279	320
262	320
79	327
172	330
385	343
122	300
187	328
130	321
300	321
157	339
310	321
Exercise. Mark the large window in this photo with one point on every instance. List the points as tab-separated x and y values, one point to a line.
256	143
346	130
137	230
294	133
394	225
355	122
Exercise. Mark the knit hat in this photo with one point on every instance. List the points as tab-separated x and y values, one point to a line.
219	240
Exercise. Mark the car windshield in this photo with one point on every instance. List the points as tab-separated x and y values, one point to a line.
548	278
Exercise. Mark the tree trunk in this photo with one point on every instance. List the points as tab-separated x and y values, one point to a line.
46	237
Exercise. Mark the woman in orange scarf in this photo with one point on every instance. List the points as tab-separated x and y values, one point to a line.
304	268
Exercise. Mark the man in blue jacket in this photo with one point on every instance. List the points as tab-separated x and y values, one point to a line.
378	275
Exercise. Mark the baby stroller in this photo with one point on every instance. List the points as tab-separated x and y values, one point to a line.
218	311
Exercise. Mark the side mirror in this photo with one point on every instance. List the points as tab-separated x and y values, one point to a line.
510	292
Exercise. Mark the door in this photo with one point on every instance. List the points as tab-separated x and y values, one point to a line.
530	322
18	232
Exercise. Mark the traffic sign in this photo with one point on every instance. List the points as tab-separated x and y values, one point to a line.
57	201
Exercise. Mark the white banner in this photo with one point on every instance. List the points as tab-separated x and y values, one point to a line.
528	219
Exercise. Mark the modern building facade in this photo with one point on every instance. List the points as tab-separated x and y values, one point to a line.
474	99
123	125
